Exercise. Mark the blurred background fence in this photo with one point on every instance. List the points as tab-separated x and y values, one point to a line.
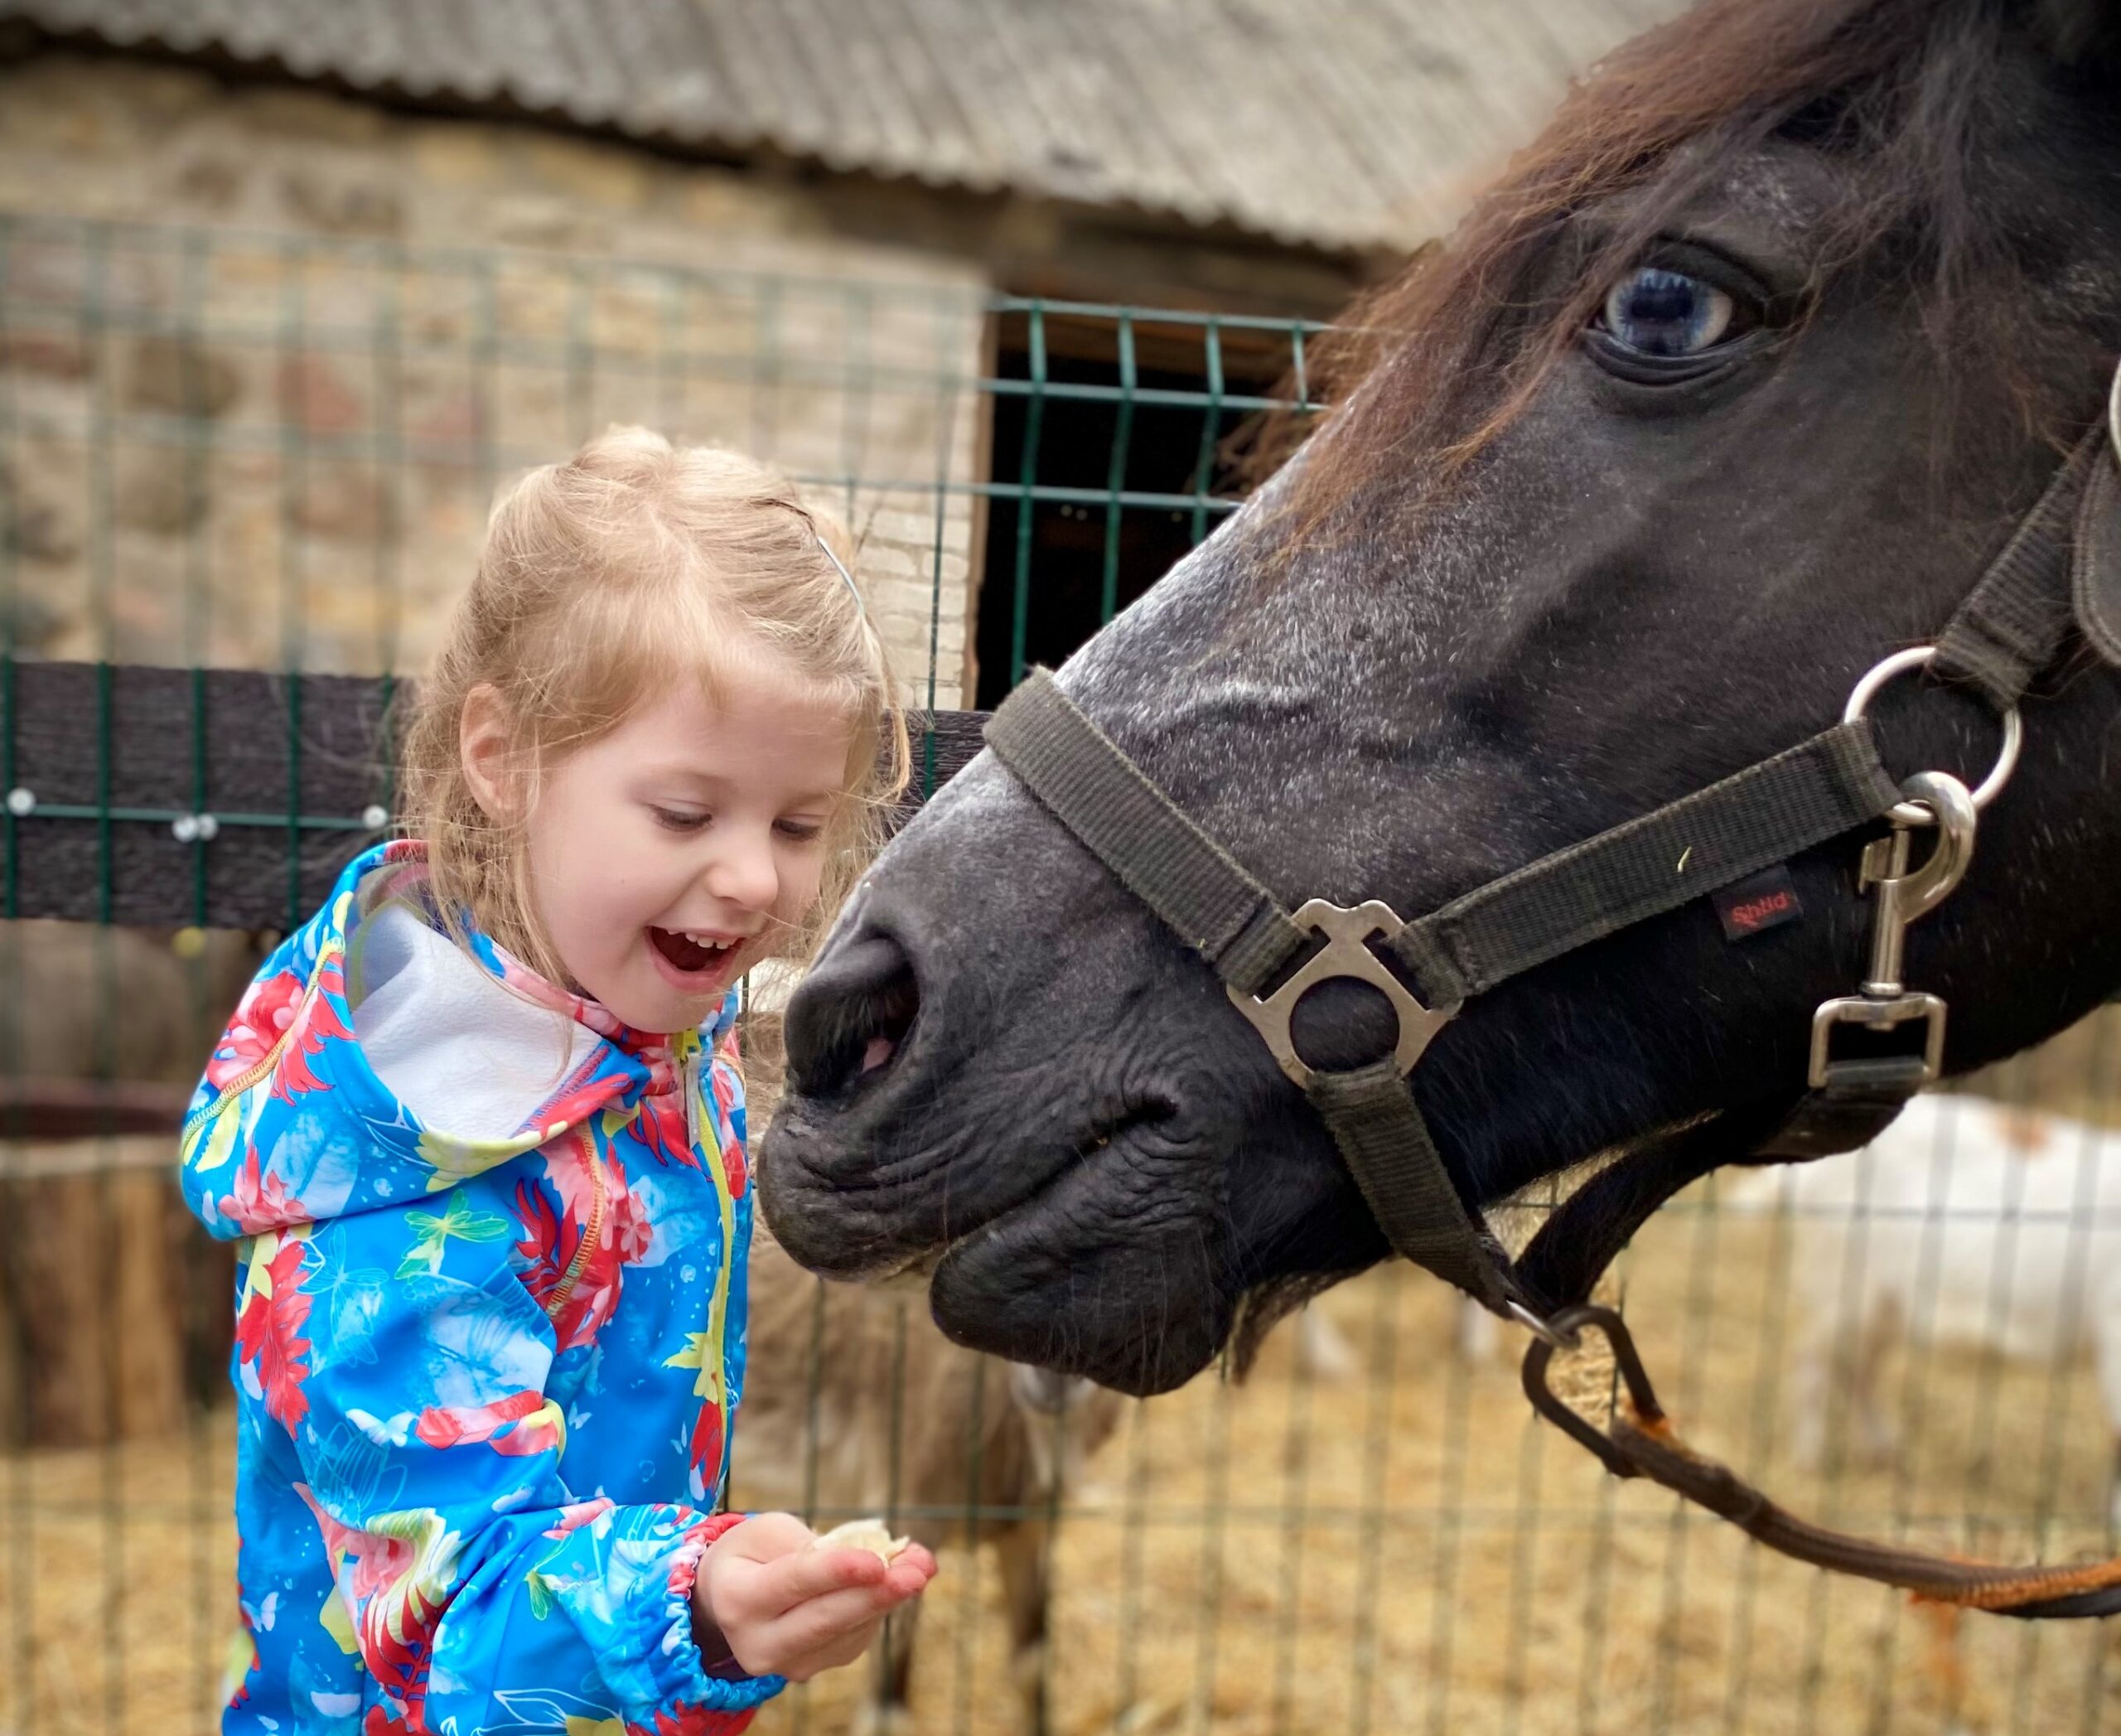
264	356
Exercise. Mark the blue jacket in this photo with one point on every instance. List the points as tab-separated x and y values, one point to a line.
485	1378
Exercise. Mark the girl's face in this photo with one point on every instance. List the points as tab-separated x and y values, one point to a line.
668	856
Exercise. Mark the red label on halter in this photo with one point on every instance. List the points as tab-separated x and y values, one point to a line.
1753	906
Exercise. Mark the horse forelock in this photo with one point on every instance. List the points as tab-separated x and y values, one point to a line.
1909	96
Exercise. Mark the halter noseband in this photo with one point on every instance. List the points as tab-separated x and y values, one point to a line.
2014	625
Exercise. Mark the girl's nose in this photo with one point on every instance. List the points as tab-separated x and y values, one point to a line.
743	871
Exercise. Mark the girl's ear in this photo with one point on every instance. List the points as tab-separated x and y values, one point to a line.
486	748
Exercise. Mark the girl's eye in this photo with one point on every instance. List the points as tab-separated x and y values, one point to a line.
677	819
802	831
1654	310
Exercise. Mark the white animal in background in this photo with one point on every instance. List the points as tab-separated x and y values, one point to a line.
1965	1222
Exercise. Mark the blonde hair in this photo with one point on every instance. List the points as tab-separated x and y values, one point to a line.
633	566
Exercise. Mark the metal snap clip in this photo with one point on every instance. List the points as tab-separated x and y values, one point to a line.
1905	895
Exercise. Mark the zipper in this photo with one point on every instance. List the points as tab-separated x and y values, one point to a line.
260	1069
688	1083
586	1145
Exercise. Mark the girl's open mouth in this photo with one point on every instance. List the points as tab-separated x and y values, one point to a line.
691	960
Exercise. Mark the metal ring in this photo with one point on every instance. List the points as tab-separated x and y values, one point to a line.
1540	1328
2113	413
1920	656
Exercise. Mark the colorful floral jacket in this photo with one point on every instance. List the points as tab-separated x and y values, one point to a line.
484	1384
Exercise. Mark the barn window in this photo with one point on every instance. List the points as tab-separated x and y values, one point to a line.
1107	431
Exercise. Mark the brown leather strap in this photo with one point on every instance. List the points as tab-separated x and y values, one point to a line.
1638	1440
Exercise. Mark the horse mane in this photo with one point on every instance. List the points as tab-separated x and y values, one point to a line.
1452	348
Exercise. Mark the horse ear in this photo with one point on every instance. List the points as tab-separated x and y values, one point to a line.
2095	583
2082	32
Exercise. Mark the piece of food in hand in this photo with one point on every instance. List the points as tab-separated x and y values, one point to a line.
871	1534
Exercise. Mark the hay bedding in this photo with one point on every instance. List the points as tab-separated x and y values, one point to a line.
1404	1550
1218	1574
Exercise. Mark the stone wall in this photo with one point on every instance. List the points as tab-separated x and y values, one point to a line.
266	354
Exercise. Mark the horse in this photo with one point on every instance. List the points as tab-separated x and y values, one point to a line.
1733	385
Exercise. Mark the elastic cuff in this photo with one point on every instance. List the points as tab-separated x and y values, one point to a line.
719	1682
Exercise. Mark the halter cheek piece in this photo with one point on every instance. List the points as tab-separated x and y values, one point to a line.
2056	580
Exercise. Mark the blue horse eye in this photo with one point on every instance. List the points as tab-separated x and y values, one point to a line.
1659	313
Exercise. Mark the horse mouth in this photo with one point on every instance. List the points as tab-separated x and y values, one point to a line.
1053	1271
814	1216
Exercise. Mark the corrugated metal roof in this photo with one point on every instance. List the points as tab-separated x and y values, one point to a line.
1334	123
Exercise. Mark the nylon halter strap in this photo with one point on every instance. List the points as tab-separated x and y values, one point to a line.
2057	573
1802	797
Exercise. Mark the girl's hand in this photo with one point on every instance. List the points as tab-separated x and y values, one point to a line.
787	1610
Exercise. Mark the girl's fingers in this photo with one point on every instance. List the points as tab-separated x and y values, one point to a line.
811	1627
907	1580
834	1656
804	1575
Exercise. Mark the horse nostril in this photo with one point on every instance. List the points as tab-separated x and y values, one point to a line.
851	1014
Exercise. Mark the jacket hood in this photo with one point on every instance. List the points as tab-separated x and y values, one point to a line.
291	1124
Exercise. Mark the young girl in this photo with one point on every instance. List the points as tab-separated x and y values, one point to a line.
481	1129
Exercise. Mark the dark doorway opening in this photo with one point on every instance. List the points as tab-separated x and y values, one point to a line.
1123	477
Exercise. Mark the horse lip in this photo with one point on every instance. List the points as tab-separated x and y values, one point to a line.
907	1270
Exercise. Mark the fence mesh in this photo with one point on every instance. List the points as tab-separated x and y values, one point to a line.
228	452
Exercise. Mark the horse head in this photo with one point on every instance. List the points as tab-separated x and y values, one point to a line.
1731	388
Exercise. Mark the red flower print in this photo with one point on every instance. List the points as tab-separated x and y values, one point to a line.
268	1332
661	1127
686	1719
260	1202
317	1024
572	1105
707	1444
545	1260
267	1009
443	1425
632	1230
590	1188
580	1513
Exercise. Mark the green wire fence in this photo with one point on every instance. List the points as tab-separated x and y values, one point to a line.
241	478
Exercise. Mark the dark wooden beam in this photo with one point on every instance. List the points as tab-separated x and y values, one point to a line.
108	770
82	1112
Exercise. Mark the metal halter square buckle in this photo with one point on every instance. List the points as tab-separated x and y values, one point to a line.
1347	934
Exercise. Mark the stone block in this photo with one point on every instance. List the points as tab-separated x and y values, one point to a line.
160	489
179	376
453	153
308	115
344	203
53	355
316	393
42	517
590	176
342	502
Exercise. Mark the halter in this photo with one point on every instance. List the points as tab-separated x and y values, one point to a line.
2058	576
